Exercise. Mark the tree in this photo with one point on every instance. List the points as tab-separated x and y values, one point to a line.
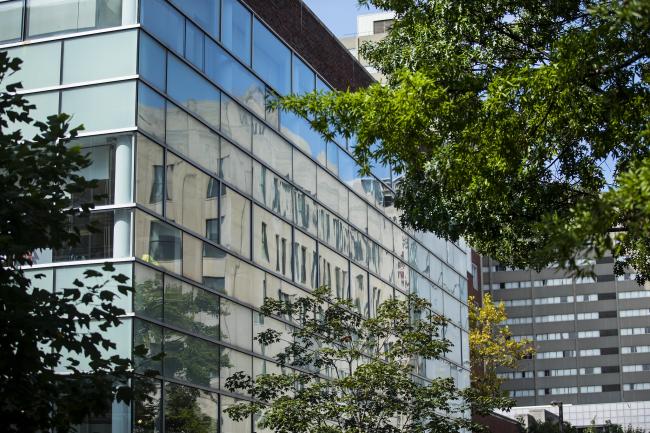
41	331
350	374
549	427
492	345
521	126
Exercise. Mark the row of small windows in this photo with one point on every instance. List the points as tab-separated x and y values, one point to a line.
635	349
571	299
635	331
635	368
539	283
554	336
556	354
570	390
585	371
564	317
636	386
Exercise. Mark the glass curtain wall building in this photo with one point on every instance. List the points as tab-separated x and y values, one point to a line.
209	201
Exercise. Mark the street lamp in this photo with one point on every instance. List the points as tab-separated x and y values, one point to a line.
559	404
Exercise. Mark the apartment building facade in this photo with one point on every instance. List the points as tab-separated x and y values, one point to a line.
591	334
210	201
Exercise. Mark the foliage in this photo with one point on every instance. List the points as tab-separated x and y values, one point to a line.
610	427
521	126
491	345
41	331
550	427
349	374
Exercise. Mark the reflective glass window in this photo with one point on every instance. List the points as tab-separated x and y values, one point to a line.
333	231
380	292
236	167
233	362
385	265
452	333
236	29
236	324
436	299
11	20
435	271
228	424
204	12
452	308
95	244
332	193
359	213
41	66
191	308
402	276
147	337
54	16
271	58
272	242
304	172
157	243
151	112
111	157
153	61
305	212
47	104
148	292
262	323
164	22
234	78
303	77
235	212
192	255
147	411
190	409
272	149
240	280
333	157
150	175
275	193
334	272
236	123
191	199
194	44
359	289
192	91
304	260
99	57
192	139
358	247
298	130
114	106
191	359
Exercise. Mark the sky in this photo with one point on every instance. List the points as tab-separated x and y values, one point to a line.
339	15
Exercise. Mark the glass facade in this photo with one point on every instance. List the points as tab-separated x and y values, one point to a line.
212	201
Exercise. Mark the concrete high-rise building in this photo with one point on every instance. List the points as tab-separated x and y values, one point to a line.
211	202
592	338
371	27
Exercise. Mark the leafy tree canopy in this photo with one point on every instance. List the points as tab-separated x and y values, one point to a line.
41	332
356	375
522	126
492	345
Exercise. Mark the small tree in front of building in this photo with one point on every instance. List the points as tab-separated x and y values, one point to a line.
492	345
345	373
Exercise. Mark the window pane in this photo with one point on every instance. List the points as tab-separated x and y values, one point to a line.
333	231
271	59
191	308
359	213
304	260
235	222
111	158
332	193
190	410
95	244
99	57
164	22
333	157
147	399
147	336
232	362
151	112
304	172
191	199
358	247
204	12
236	29
236	123
194	44
54	16
229	425
11	20
192	91
149	179
47	104
303	77
359	289
380	292
191	359
334	272
114	106
272	242
236	167
297	130
192	139
236	324
192	255
158	243
152	61
273	149
41	64
148	292
272	191
234	78
305	212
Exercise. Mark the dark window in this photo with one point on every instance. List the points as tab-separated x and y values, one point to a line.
604	278
606	314
611	388
609	351
605	296
165	242
611	369
95	238
381	26
608	332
